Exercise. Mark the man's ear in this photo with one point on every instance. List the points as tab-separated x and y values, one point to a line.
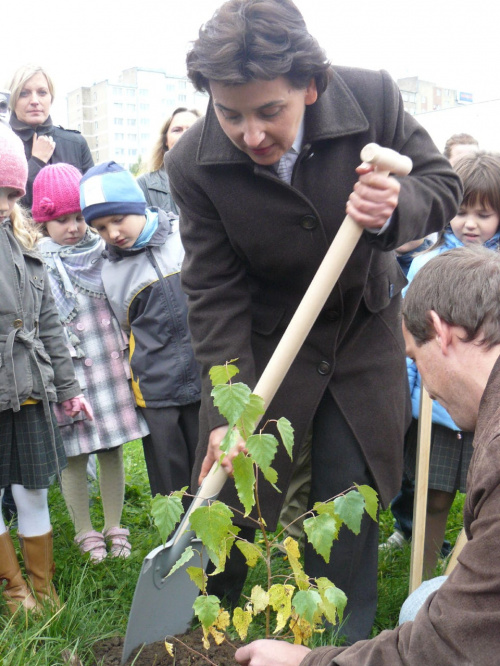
443	331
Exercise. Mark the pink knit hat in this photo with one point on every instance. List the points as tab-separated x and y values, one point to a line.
56	192
13	164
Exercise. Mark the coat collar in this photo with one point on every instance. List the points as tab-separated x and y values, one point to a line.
335	114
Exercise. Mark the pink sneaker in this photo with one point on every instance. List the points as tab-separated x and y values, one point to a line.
119	544
92	543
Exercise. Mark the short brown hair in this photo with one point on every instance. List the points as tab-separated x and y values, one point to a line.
248	40
463	287
461	139
160	147
20	77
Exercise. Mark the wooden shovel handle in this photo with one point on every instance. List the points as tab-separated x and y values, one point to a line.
311	305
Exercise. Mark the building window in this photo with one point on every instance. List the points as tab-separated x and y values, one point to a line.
144	137
131	121
132	137
119	151
438	92
130	92
96	125
119	136
118	121
144	121
182	85
117	92
182	98
132	152
144	107
118	106
131	108
144	92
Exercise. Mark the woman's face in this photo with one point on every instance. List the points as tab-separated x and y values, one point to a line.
33	105
180	123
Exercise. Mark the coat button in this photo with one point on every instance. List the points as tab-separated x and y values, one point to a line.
80	327
88	362
17	323
309	222
115	354
323	368
331	314
105	322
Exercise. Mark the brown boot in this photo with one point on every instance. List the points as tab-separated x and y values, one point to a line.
16	593
39	564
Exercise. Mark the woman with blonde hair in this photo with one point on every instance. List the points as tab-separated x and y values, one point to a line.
32	93
154	184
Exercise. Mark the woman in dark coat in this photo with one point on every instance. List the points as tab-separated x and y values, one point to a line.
32	94
254	238
154	184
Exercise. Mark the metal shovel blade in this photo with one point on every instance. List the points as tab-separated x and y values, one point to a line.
162	606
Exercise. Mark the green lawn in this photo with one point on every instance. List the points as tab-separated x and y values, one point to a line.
97	598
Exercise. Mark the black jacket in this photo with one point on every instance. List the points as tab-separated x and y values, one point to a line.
71	147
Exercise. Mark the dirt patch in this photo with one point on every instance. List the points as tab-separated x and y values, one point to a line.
109	652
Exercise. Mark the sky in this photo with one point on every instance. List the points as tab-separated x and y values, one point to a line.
453	43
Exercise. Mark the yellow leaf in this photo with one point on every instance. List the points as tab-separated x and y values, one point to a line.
293	552
223	620
259	598
302	630
218	636
206	642
251	552
280	600
241	621
169	647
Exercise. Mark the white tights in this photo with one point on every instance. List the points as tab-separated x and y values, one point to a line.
32	510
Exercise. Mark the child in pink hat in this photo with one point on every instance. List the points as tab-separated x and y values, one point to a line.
73	255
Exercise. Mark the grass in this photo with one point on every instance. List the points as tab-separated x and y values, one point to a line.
97	598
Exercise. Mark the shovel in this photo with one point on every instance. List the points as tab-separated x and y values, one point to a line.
163	606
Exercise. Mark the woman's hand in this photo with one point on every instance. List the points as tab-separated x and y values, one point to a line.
74	406
271	653
214	453
43	147
374	198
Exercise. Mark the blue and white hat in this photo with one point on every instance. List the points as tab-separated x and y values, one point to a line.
109	189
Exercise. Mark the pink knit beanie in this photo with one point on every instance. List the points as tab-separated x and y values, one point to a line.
13	164
56	192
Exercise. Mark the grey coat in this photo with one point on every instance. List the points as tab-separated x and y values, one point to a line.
156	189
253	244
34	360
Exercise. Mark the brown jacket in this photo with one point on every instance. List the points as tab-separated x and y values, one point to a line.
459	624
253	244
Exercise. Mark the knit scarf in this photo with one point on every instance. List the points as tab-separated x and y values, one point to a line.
73	268
149	228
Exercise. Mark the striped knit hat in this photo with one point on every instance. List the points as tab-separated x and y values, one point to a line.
108	189
56	192
13	164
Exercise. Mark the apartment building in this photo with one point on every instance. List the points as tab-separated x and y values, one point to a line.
121	119
423	96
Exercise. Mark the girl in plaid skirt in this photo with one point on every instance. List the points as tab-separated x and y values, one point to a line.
477	222
35	371
73	256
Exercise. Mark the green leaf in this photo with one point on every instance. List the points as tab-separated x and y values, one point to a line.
306	603
198	576
244	480
222	374
185	557
166	512
231	400
334	600
350	510
262	448
231	438
321	531
371	500
251	552
250	416
206	609
286	431
271	475
212	524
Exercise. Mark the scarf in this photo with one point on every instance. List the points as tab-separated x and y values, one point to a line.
149	228
73	268
451	241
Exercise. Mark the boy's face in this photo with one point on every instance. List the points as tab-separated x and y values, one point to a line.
120	230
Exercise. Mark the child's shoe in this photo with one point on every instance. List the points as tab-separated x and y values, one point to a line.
117	538
92	543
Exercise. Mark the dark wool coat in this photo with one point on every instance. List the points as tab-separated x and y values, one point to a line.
458	624
253	244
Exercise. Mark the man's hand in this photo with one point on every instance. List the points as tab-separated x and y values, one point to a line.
271	653
374	198
43	147
214	453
